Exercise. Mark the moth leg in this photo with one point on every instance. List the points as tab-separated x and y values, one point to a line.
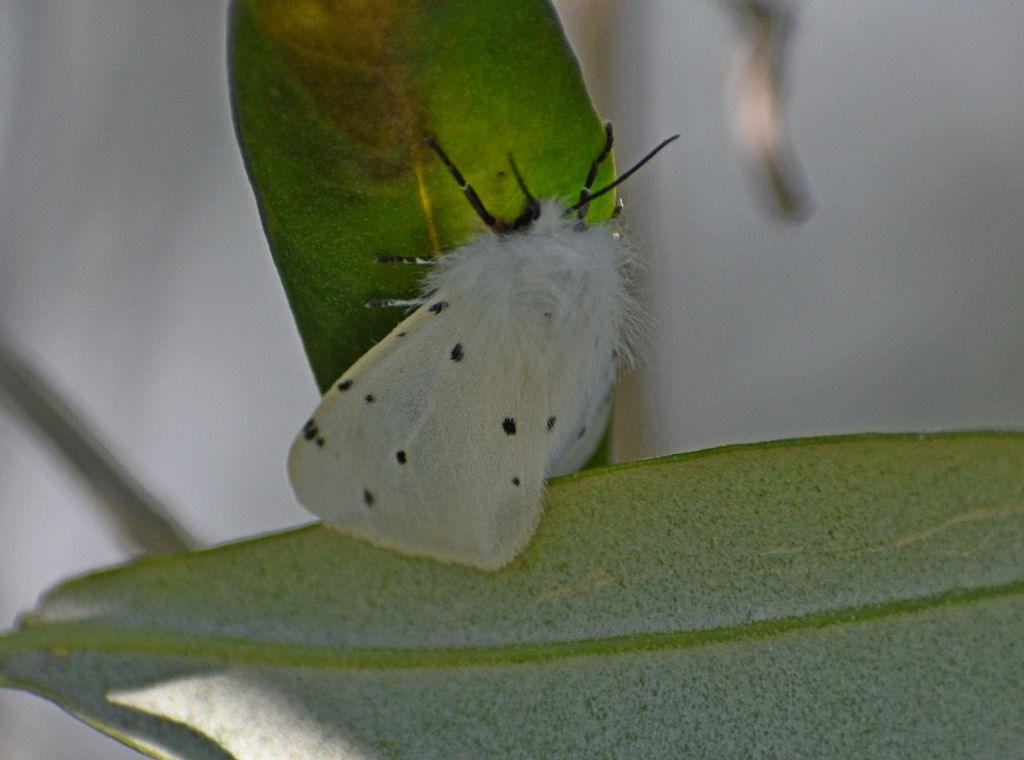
399	303
467	189
588	183
426	261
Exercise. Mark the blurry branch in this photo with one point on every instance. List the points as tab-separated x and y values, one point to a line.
757	86
135	513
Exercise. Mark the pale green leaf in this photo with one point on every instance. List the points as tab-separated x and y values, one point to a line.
849	597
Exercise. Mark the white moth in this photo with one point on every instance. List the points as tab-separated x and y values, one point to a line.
437	442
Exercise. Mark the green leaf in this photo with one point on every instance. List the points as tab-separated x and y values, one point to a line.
847	597
332	101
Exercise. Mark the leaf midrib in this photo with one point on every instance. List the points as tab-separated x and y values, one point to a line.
64	639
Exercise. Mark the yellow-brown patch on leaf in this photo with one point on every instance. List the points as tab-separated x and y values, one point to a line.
348	57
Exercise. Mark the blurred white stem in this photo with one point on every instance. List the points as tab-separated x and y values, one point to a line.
756	85
136	515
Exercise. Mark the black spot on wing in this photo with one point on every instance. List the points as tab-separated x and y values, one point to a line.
401	457
438	307
457	353
310	430
551	422
509	426
368	497
370	398
583	432
516	481
344	385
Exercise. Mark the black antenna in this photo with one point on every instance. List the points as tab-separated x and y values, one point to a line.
467	189
622	177
531	212
588	183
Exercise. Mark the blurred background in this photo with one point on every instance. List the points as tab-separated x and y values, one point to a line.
135	277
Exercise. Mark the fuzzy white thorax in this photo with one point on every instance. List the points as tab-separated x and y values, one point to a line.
554	279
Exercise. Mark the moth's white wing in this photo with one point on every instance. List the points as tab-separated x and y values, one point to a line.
601	322
415	449
437	442
589	409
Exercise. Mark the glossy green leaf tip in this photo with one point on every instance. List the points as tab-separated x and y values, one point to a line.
332	101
